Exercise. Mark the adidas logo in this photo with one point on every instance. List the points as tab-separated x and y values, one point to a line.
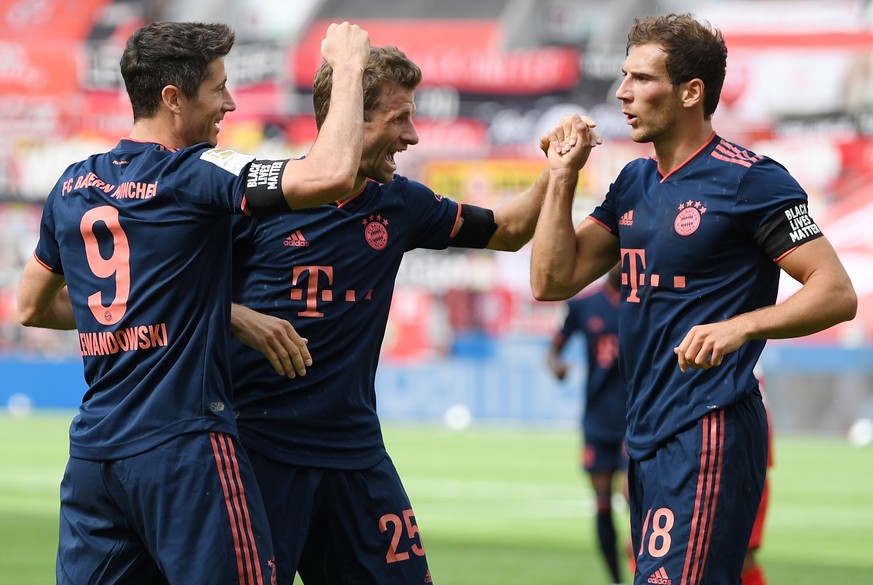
296	240
627	218
660	577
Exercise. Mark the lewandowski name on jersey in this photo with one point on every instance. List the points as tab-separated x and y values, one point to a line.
128	339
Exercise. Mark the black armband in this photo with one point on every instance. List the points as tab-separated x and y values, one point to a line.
788	229
477	227
264	186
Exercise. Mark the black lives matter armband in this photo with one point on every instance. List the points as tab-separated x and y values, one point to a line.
788	229
477	227
264	186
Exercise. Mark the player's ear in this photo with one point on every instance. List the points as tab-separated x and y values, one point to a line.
171	97
691	92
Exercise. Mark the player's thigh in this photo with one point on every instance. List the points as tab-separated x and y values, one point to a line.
366	533
196	504
96	544
292	497
696	498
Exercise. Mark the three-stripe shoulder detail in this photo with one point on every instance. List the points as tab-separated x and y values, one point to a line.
727	152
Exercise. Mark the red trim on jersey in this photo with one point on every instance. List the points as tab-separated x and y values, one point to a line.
244	206
344	202
708	481
600	223
41	263
158	144
247	559
787	252
457	225
685	162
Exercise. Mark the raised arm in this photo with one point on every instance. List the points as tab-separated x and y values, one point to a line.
329	170
43	299
517	218
565	259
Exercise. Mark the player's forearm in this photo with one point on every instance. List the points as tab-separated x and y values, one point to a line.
252	327
822	302
329	170
43	300
59	315
553	255
274	337
826	296
517	218
238	321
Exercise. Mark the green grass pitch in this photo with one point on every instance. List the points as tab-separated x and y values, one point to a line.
500	505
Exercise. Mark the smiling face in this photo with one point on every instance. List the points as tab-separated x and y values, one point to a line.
203	112
388	131
649	100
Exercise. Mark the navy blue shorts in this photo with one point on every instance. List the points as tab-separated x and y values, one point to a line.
187	511
336	526
694	501
598	456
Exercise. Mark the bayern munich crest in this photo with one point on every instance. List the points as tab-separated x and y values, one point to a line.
375	231
688	219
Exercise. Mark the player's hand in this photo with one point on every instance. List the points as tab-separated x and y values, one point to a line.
705	346
276	338
346	44
559	369
569	144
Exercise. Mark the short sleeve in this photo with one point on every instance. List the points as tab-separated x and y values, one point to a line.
434	216
47	249
773	208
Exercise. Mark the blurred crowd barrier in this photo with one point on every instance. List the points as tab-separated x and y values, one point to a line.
480	381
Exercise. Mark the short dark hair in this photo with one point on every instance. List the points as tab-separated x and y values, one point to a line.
170	53
386	66
694	50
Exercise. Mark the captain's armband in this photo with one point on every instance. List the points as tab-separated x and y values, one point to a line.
477	227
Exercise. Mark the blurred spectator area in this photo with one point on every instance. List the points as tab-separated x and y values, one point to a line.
497	73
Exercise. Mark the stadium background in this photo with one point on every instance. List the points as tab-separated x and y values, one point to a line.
465	335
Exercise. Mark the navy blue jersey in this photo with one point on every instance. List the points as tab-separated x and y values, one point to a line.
697	246
330	271
595	316
142	235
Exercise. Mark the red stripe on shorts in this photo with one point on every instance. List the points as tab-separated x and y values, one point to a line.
247	560
708	481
